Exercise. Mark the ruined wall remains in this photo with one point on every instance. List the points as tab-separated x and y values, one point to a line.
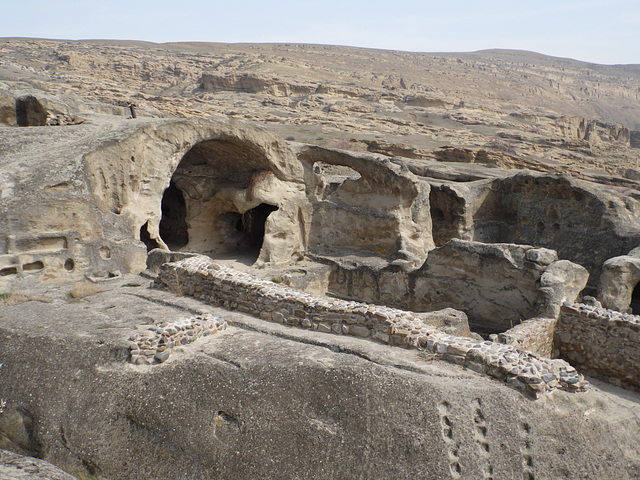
553	211
201	277
156	343
381	211
601	342
534	335
496	285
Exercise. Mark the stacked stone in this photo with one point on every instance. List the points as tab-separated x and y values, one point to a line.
61	120
600	313
524	371
602	342
231	289
236	290
533	335
155	344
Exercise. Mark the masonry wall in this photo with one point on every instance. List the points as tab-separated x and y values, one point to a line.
601	342
533	335
201	277
229	288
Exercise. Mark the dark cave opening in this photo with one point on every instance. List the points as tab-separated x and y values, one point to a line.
252	225
173	226
145	238
635	300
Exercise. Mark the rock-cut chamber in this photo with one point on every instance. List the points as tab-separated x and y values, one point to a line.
212	205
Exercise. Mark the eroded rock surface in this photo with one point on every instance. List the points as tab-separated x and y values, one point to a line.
387	190
252	401
497	285
18	467
619	278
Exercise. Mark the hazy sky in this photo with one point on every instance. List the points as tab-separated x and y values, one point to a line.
600	31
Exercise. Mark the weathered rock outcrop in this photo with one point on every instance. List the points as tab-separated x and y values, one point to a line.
496	285
247	83
104	188
257	400
551	211
620	276
377	208
18	467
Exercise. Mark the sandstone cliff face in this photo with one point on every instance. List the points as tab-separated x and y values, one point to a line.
497	285
522	110
217	168
378	207
254	84
554	212
106	194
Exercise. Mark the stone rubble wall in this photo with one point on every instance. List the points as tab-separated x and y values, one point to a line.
221	286
535	335
156	343
601	342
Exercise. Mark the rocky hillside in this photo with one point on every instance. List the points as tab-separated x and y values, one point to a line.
512	109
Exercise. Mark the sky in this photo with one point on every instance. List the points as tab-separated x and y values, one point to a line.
597	31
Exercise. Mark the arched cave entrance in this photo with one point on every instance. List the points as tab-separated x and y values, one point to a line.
635	300
240	236
219	199
173	226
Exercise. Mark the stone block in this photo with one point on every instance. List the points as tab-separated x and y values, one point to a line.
324	327
359	331
162	356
